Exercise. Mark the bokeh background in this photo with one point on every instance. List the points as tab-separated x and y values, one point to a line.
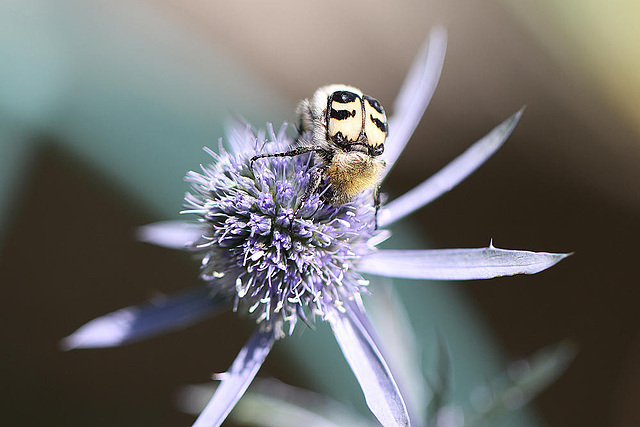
104	105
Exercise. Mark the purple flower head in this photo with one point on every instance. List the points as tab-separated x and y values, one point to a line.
271	265
261	260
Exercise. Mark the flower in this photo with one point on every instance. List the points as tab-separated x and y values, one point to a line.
268	264
276	268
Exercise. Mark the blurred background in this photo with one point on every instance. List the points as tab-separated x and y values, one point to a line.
104	105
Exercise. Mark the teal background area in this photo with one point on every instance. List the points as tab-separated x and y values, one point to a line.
135	96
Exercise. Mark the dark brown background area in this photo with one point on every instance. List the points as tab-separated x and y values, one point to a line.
566	181
70	250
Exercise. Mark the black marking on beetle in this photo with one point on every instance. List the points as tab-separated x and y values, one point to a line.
376	150
339	139
374	103
379	123
358	146
343	96
341	114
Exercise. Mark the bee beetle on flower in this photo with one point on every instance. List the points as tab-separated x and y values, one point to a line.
346	130
260	263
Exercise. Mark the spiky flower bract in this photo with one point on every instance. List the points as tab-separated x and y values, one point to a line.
265	260
271	403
